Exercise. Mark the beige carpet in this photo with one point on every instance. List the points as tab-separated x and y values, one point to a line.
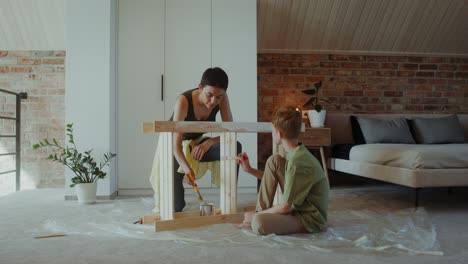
372	224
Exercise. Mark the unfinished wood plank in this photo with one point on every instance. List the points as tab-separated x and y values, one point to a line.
148	127
150	219
198	126
194	222
228	185
166	177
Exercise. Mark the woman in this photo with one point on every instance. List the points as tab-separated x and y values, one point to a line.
199	104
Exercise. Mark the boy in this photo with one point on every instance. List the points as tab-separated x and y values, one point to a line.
301	178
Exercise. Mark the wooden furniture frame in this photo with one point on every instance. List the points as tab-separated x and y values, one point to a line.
168	220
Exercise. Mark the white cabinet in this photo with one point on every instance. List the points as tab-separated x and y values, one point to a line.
179	39
188	46
140	66
187	50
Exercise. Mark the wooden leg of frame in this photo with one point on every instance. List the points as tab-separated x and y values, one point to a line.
166	177
228	185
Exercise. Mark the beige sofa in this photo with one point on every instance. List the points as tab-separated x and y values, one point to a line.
411	176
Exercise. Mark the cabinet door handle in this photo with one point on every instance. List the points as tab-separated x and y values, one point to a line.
162	87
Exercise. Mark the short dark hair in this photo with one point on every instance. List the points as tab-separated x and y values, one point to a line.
288	120
216	77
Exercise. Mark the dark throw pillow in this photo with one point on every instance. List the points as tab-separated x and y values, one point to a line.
385	130
357	133
442	130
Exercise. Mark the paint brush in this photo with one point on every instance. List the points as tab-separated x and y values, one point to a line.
195	186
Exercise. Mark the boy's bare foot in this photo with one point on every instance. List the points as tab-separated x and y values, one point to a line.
244	225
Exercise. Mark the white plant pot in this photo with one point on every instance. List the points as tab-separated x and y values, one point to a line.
317	119
86	192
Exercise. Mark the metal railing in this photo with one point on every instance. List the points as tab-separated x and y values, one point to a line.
17	135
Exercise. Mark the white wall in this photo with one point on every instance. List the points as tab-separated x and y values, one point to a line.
90	80
32	25
234	31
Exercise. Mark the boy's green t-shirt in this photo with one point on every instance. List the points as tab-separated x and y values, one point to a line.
306	188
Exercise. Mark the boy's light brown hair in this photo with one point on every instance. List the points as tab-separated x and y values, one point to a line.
288	120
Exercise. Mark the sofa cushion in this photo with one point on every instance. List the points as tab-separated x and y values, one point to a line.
385	131
441	130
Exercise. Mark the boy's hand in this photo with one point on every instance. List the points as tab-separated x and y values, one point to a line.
243	160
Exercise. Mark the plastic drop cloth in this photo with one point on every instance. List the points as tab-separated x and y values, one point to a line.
404	231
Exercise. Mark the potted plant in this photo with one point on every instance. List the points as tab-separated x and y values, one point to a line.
317	114
87	171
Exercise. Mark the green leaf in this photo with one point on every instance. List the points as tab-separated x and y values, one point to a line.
76	180
318	108
318	85
309	91
325	100
310	102
84	166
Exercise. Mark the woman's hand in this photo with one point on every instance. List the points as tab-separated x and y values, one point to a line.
199	151
187	179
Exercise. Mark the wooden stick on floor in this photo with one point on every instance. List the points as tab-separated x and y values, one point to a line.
49	236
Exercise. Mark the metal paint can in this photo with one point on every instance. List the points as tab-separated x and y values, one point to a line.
206	209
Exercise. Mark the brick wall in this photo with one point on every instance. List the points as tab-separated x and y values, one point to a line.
361	84
364	84
41	74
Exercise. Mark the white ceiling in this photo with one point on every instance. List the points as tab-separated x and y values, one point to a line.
32	25
347	26
368	26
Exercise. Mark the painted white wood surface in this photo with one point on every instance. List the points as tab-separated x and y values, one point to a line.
228	185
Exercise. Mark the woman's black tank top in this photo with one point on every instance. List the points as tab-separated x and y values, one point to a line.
191	115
